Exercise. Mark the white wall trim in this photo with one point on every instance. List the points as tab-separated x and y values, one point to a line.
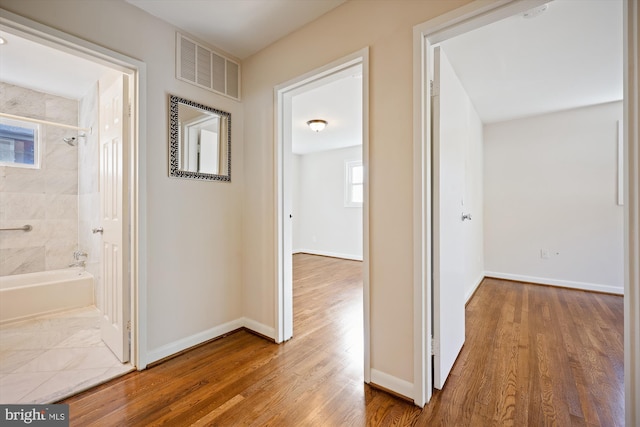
258	327
212	333
389	382
631	34
473	289
282	91
193	340
354	257
137	167
557	282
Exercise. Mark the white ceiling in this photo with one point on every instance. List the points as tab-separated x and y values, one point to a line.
239	27
45	69
569	56
338	100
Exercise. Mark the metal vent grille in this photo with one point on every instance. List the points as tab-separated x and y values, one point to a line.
205	68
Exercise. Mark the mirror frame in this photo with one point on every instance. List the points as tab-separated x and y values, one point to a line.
174	145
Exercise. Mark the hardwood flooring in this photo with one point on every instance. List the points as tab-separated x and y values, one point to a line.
534	356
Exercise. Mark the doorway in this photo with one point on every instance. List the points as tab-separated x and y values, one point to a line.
284	193
427	36
82	199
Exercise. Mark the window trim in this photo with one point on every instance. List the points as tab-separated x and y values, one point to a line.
37	142
349	165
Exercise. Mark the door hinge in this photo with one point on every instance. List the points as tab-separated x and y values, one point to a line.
129	110
129	325
434	89
433	347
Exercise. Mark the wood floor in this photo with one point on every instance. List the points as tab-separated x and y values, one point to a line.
534	356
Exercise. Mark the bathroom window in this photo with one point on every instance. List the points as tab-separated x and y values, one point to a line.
19	143
354	184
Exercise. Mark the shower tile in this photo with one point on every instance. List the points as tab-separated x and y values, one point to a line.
21	239
59	254
21	101
22	206
61	182
14	387
21	260
62	206
62	110
60	228
21	180
60	156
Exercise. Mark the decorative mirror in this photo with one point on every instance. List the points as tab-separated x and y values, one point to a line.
199	141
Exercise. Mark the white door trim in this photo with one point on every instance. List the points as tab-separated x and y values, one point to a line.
631	114
281	93
136	70
466	18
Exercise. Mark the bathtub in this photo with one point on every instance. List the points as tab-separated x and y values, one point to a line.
23	296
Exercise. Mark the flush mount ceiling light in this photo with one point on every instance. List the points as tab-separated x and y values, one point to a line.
317	125
3	40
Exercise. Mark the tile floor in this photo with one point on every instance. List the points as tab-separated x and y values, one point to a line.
45	359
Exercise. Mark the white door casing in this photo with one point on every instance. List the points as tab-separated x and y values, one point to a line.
448	232
114	133
283	167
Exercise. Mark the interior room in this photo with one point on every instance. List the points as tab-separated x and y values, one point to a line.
545	195
53	297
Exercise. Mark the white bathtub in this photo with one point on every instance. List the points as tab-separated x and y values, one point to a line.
32	294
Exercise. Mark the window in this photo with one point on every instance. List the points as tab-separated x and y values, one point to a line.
19	143
354	184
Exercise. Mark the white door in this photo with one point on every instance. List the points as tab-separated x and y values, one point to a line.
114	135
448	245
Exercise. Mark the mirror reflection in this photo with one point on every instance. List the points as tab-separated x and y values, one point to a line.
200	141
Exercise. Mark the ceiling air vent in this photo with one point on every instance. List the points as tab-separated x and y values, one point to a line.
205	68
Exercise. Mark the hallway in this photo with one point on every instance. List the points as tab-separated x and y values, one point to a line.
534	355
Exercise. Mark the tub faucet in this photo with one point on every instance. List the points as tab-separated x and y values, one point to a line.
78	263
79	254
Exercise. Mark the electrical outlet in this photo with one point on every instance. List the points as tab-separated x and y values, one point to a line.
544	253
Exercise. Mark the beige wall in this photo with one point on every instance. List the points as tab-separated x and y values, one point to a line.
211	243
386	27
194	276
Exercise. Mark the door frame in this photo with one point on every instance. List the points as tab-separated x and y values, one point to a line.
461	20
282	100
136	194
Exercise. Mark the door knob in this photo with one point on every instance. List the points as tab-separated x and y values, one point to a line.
466	216
97	230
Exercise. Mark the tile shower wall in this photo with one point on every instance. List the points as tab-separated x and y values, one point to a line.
46	198
89	190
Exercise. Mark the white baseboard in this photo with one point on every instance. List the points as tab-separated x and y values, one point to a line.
215	332
473	289
190	341
391	383
555	282
354	257
260	328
